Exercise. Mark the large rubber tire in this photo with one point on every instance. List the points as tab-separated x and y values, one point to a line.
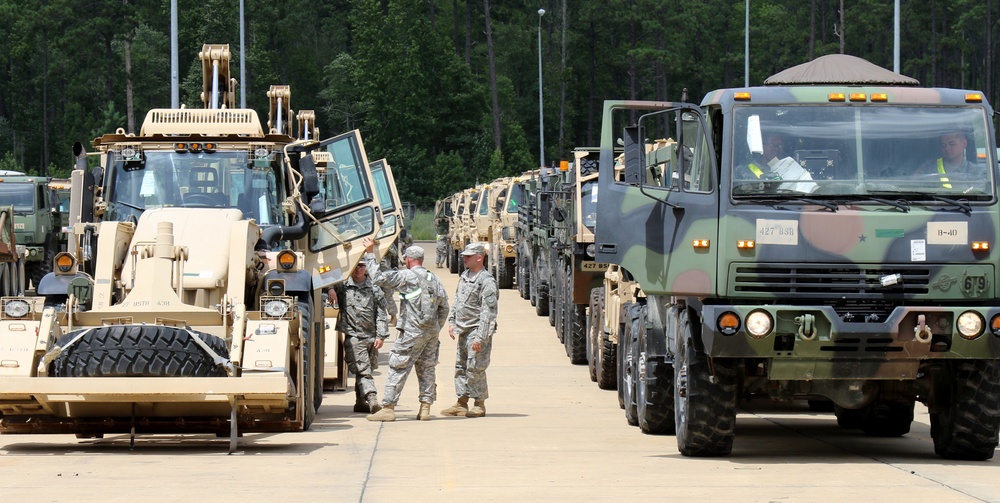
577	337
456	261
606	359
654	386
10	279
705	404
542	306
888	418
137	351
592	329
556	299
308	396
965	420
523	276
850	419
505	273
631	360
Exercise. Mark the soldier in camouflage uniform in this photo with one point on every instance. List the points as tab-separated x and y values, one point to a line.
442	250
473	319
363	320
416	347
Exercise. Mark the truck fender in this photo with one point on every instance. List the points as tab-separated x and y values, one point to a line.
657	320
295	282
52	284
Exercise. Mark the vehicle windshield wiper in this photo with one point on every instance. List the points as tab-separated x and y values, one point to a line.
902	204
775	201
129	205
961	204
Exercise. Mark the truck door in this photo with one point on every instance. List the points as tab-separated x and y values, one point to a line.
658	205
351	210
389	204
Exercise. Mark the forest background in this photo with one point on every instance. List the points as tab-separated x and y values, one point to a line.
446	90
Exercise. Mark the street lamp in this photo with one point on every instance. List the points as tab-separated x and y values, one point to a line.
541	120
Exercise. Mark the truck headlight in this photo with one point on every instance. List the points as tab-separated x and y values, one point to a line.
759	324
590	250
970	324
276	308
16	308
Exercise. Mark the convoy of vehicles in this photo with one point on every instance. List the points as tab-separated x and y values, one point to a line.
848	271
189	299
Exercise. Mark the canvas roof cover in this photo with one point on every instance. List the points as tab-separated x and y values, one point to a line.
838	69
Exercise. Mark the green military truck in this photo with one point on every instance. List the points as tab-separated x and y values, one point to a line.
535	232
575	273
853	265
37	224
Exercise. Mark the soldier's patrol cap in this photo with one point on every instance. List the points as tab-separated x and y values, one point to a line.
414	252
474	249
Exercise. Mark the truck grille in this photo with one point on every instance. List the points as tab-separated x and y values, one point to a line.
829	281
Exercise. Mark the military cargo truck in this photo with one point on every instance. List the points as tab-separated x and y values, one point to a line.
507	197
189	299
36	220
576	272
807	242
522	233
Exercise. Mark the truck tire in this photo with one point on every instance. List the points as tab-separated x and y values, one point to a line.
654	386
505	273
965	419
607	351
309	359
592	334
138	351
556	300
455	261
705	404
523	276
629	363
577	336
888	418
541	294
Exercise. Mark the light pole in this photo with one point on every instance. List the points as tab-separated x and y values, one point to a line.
541	120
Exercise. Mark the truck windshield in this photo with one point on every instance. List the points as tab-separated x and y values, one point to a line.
850	152
19	195
221	179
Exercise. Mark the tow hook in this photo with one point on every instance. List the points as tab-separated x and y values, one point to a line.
922	332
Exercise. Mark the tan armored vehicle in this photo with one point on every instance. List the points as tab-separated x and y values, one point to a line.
506	195
190	296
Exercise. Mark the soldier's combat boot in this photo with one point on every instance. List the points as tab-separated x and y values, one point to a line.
478	409
425	412
360	405
460	408
373	405
386	414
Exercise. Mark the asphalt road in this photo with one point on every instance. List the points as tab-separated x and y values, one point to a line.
549	435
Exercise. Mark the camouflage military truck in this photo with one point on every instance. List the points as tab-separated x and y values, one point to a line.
522	233
851	265
535	233
36	221
507	197
575	272
189	298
